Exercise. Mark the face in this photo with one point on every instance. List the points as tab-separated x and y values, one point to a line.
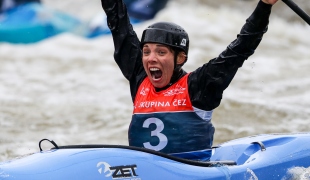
158	62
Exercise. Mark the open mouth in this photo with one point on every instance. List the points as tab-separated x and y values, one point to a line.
156	73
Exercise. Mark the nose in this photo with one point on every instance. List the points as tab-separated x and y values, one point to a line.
152	57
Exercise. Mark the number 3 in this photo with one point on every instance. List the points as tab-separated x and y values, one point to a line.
163	140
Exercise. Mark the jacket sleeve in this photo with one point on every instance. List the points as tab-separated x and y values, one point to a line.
127	54
207	83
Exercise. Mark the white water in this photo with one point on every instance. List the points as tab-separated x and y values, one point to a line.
70	90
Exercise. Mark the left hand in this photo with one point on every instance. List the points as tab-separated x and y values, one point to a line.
271	2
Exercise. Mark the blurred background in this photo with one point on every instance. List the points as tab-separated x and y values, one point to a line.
86	10
68	88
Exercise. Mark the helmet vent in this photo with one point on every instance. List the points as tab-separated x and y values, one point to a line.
177	29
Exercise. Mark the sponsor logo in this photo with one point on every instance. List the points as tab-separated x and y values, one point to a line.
177	90
118	172
155	104
183	42
144	91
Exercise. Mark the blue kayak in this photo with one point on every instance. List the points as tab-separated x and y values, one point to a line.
263	157
33	22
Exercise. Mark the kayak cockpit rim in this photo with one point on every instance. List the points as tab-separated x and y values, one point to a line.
181	160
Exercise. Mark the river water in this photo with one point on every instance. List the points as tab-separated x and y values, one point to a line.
70	90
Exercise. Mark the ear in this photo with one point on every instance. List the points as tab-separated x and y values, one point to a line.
181	58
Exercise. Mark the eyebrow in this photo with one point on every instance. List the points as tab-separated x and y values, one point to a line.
157	45
162	45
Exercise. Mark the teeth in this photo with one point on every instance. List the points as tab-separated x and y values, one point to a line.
154	69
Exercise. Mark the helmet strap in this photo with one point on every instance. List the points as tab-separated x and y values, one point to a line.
177	67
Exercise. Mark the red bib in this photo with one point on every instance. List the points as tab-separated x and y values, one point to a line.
173	99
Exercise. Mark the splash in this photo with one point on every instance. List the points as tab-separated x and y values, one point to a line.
298	173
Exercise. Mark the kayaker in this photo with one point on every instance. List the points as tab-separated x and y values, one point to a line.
172	108
9	4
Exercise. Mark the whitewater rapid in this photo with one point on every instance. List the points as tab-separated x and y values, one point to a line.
69	89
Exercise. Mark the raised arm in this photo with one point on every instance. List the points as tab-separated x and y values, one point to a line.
208	82
126	43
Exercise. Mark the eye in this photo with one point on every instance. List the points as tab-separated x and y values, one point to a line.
146	52
161	52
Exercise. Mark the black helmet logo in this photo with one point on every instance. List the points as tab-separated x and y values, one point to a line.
183	43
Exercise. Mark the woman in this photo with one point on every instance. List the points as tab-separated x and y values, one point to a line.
173	109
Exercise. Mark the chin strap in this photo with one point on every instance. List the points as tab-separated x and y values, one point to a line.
177	67
176	74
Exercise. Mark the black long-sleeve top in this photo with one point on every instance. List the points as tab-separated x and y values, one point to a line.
206	83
